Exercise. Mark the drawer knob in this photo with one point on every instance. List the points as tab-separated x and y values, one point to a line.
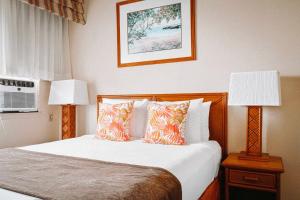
252	179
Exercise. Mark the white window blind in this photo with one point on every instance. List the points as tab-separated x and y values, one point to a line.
33	43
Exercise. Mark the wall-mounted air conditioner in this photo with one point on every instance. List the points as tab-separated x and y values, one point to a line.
18	95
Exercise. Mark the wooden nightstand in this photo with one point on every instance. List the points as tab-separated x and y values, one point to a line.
252	176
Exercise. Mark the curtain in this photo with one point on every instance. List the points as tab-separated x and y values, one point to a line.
33	43
70	9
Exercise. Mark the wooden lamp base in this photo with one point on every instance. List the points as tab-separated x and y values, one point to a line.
254	136
68	121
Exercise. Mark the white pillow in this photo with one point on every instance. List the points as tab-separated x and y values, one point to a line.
196	125
139	117
204	122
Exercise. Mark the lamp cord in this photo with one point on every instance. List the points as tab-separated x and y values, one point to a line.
2	125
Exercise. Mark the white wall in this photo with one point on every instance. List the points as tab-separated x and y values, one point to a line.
20	129
232	35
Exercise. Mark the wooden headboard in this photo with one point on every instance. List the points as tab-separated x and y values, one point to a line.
217	117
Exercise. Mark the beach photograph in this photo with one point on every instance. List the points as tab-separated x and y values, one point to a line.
154	29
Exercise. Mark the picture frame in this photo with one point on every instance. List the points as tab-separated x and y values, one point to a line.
155	31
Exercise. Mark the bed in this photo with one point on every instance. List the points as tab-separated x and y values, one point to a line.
196	166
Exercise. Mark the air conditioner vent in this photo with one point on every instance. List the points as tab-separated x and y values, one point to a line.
18	96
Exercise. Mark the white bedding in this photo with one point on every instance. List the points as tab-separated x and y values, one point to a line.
195	165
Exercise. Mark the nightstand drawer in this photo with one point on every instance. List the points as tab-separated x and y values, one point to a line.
252	178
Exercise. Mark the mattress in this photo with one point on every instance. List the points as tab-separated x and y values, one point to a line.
195	165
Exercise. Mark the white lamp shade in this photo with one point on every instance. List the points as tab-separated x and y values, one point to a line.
255	88
65	92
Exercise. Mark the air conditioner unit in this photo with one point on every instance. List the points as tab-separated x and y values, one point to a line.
18	95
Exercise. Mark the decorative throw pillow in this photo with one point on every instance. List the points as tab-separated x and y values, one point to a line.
193	127
114	121
139	115
166	123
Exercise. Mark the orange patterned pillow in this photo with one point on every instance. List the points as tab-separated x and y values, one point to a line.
114	121
166	123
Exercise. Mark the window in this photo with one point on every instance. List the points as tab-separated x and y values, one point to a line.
33	43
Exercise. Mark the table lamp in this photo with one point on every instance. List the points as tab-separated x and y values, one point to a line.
255	89
68	93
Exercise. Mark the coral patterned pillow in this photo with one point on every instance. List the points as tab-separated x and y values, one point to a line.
166	123
114	121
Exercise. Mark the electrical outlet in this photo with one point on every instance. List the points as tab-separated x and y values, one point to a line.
51	116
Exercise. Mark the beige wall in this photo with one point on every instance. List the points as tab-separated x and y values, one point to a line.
20	129
232	35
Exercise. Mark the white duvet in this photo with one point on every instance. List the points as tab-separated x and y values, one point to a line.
195	165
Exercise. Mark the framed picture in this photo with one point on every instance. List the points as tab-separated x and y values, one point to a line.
155	31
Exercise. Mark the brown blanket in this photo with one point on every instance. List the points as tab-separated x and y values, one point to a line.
48	176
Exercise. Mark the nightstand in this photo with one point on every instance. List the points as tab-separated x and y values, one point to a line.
252	179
